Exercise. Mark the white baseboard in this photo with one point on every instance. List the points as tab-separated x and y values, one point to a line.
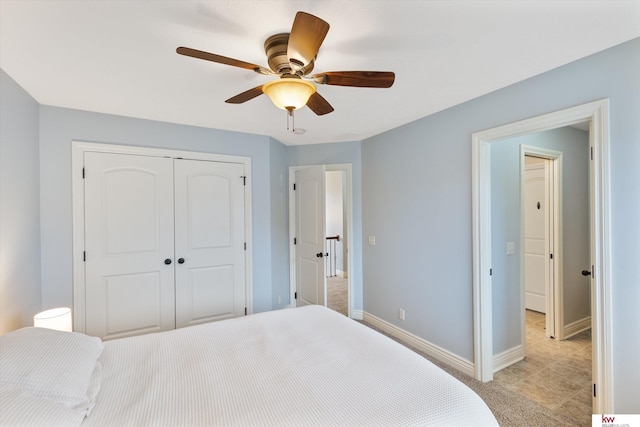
432	350
508	357
576	327
356	314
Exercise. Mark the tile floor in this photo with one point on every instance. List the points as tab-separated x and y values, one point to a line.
556	374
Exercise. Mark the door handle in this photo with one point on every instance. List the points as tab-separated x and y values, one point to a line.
586	273
180	260
167	261
319	255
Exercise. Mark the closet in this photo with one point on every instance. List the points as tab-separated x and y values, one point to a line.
164	242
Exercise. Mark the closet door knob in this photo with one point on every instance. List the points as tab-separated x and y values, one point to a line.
180	260
167	261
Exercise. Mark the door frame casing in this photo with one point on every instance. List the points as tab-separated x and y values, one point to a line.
597	114
78	148
347	168
554	293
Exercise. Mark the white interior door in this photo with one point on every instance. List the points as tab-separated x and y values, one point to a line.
310	235
536	232
209	242
128	237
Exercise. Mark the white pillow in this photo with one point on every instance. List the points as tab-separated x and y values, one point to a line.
51	364
20	408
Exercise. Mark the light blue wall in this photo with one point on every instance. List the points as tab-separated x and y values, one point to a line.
279	224
340	153
416	199
60	126
20	296
505	227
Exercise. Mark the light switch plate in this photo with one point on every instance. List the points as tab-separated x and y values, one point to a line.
511	248
372	240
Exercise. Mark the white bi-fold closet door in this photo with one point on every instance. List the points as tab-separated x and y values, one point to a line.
164	241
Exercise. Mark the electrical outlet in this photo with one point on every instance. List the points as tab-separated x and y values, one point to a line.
401	314
372	240
511	248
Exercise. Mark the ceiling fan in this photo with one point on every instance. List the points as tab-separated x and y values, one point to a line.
291	56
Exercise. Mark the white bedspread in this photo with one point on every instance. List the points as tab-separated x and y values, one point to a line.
306	366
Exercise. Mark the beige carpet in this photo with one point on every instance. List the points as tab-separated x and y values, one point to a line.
509	408
337	294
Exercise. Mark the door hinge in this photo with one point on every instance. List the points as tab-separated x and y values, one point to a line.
551	256
84	256
245	246
295	241
244	180
491	272
295	295
82	173
294	186
593	271
594	390
591	153
245	311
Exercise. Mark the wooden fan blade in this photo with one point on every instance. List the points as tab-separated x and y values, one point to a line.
381	79
307	34
194	53
319	105
245	96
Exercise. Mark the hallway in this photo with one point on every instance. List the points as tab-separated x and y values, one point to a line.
337	294
556	374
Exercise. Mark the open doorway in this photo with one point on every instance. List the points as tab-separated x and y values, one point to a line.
321	224
596	115
547	248
538	237
541	216
336	268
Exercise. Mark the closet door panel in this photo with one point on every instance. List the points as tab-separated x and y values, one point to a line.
133	303
212	291
129	234
209	230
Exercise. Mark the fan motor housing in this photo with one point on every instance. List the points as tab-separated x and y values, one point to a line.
276	49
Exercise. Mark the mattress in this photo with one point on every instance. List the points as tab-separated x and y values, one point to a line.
305	366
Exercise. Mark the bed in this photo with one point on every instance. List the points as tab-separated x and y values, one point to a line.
305	366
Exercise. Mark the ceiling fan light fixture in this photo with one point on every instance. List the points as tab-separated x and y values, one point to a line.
289	93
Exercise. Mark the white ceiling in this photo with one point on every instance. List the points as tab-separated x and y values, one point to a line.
118	57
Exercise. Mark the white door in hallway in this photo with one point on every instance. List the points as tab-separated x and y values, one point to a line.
129	235
310	235
209	212
537	201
